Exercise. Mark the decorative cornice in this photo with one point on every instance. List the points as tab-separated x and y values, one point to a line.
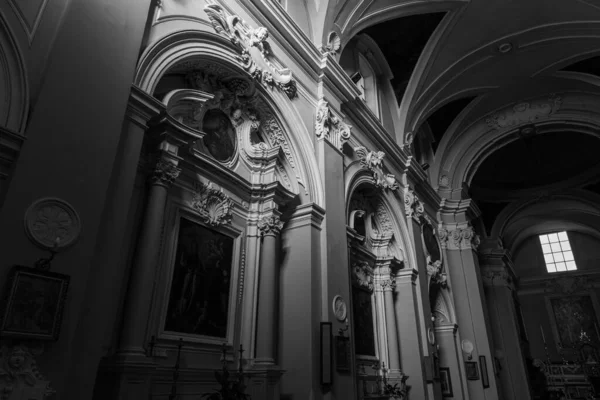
213	205
362	275
245	38
165	173
329	127
270	226
524	113
373	161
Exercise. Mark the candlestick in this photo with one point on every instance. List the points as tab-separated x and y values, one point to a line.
543	336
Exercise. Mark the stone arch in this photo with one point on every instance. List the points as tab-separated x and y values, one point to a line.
175	48
463	148
14	106
579	211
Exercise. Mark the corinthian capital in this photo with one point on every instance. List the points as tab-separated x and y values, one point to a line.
461	238
270	226
165	173
388	285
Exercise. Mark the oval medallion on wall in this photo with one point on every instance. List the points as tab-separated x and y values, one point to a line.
52	223
220	135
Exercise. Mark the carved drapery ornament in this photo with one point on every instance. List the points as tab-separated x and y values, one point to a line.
165	173
373	161
249	41
329	127
20	377
271	225
459	238
524	113
362	275
213	205
413	207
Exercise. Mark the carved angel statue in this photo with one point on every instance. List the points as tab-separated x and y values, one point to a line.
435	273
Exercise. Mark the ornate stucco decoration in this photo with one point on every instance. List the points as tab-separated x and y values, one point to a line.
52	223
164	173
213	205
271	225
436	274
362	275
329	127
413	207
524	113
373	161
20	377
460	238
253	47
569	285
334	44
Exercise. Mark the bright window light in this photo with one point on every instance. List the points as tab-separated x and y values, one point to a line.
557	252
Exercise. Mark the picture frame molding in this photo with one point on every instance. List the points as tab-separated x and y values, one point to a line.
446	377
472	370
485	378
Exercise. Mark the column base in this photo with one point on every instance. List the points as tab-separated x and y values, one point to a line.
126	375
264	381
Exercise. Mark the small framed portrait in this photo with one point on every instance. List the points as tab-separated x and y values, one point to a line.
484	372
446	382
471	370
33	304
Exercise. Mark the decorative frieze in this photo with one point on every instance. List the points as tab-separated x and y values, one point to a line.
459	238
413	207
165	173
246	38
523	113
329	127
213	205
373	161
271	225
362	275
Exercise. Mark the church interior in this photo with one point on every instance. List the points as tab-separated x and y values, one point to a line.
299	200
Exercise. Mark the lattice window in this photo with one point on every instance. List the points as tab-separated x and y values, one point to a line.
558	254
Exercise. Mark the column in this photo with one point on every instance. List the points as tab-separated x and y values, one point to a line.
450	357
388	286
268	291
498	280
141	281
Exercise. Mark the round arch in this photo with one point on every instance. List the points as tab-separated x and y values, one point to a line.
177	47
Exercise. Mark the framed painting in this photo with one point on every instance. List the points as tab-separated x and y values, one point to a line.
34	304
342	354
446	382
364	329
485	379
571	315
471	370
201	280
326	353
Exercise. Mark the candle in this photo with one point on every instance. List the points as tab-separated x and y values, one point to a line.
543	336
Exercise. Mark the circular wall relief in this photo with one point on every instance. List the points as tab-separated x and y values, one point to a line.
52	223
340	310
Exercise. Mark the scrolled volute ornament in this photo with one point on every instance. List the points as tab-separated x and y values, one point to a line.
165	173
271	225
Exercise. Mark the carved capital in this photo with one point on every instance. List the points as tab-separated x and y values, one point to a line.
413	207
245	38
461	239
270	226
213	205
329	127
165	173
388	285
373	161
443	236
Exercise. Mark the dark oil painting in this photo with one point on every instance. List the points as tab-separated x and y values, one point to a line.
220	135
574	315
364	336
199	298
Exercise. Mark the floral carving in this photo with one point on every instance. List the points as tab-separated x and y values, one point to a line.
213	205
329	127
362	275
20	377
245	38
271	225
413	207
52	223
524	113
373	161
165	173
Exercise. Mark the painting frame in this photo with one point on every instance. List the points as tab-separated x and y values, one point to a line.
48	305
485	379
326	353
178	210
446	382
472	370
554	323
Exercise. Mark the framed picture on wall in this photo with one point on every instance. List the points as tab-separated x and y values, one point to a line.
572	314
446	382
485	379
34	304
471	370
